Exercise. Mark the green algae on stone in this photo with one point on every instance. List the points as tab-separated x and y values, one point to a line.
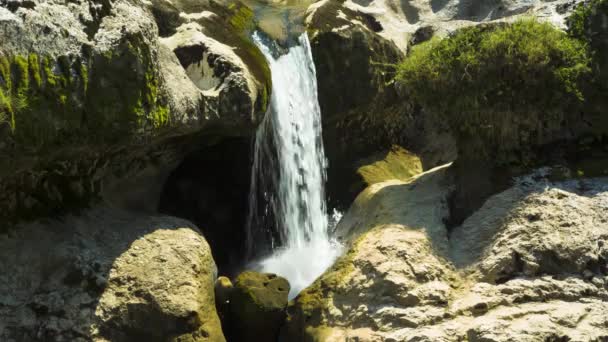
398	163
47	101
242	24
257	306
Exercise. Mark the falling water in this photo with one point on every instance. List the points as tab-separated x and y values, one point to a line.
287	211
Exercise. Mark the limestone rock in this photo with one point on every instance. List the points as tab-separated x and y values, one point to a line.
530	265
399	21
222	78
257	306
108	276
101	86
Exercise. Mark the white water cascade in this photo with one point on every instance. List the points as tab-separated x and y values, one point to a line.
288	176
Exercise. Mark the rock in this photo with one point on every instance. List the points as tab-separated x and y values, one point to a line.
257	306
399	21
357	43
368	116
108	275
536	228
222	78
398	163
525	267
104	102
223	293
223	290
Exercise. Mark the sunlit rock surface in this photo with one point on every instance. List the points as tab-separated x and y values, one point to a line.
530	265
108	275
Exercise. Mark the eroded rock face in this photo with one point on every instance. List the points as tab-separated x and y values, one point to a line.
89	86
530	265
108	276
356	45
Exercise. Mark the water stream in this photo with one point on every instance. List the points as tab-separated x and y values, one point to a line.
288	224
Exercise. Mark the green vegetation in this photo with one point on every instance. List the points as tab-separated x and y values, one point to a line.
518	68
489	81
585	21
588	23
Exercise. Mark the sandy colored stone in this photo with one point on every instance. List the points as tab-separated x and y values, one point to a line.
530	265
108	275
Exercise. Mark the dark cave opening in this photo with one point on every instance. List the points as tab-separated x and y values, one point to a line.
211	189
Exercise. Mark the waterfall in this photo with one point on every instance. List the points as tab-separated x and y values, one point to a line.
288	215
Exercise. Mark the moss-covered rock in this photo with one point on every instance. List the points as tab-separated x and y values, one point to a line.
498	83
257	306
355	94
589	22
89	97
511	94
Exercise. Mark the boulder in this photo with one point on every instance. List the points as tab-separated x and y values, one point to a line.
108	275
257	306
530	265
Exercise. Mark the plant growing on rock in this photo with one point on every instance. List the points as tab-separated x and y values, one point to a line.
588	23
502	86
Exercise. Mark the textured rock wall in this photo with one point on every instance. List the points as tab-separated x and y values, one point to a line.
530	265
93	99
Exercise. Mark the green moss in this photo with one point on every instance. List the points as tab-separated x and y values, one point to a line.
6	109
21	81
242	23
49	75
5	72
312	300
84	76
34	66
160	117
588	23
579	22
242	18
398	163
50	101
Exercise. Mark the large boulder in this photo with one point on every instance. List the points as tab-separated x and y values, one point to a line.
530	265
108	275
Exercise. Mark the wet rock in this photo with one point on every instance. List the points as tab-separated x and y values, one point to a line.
257	306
